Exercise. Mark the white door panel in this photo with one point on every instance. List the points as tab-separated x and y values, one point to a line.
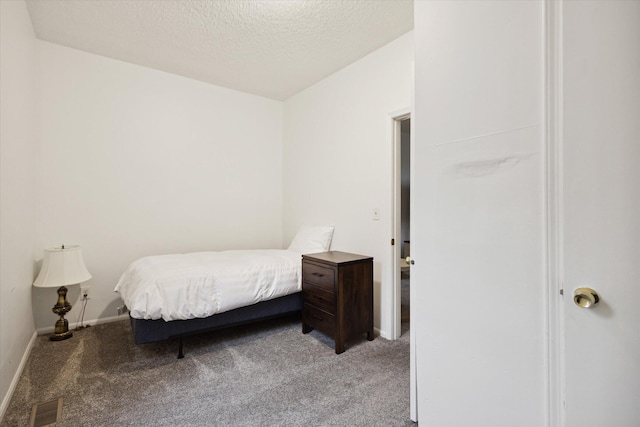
479	307
477	233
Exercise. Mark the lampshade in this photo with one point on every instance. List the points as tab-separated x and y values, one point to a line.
62	266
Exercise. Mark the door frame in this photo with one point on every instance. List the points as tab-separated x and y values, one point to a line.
396	156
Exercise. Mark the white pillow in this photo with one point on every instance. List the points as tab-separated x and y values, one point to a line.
312	239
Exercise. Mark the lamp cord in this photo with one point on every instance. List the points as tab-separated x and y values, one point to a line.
81	314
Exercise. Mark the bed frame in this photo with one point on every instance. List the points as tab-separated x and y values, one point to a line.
146	331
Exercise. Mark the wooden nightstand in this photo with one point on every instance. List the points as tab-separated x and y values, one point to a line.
337	295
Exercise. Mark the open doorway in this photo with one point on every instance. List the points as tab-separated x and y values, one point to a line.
401	243
402	222
405	223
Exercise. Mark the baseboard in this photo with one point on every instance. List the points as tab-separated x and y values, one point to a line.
384	335
49	329
16	377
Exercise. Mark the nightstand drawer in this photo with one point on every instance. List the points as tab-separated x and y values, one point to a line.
319	276
319	297
317	318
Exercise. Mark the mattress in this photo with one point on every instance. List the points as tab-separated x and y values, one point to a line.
201	284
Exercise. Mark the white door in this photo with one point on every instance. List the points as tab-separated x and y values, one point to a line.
482	302
477	224
601	204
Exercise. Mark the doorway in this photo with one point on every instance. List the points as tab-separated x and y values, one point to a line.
405	223
402	223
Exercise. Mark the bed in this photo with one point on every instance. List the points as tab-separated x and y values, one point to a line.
177	295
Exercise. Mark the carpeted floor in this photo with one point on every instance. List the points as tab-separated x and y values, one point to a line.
265	374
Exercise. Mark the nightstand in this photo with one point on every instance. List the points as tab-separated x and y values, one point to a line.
337	295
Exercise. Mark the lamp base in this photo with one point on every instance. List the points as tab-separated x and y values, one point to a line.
62	336
62	307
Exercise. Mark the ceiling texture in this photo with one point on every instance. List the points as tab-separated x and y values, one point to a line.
272	48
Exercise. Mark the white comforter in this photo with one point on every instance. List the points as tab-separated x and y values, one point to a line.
199	284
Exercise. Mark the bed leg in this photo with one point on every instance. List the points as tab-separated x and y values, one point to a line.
180	353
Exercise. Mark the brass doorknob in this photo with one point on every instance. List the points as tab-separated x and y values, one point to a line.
409	260
585	297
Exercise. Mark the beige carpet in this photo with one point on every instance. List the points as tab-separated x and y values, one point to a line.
266	374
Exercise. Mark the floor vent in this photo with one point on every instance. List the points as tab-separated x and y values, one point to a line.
47	413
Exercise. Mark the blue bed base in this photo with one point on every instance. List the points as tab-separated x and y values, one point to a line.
146	331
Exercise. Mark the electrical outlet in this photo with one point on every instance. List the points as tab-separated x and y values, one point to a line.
84	292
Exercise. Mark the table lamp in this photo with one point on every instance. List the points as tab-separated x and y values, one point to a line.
61	267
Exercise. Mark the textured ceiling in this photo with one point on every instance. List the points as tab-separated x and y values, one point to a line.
270	48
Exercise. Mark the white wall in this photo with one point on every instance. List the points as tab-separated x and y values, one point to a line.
477	229
337	158
138	162
18	188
